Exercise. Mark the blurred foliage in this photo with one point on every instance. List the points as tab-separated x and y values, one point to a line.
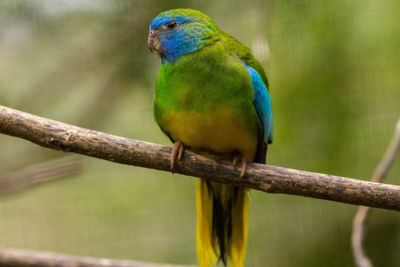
334	74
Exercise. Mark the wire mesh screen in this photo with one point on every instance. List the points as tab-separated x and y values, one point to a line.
334	75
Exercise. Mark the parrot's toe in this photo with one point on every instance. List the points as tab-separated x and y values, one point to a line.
176	154
243	164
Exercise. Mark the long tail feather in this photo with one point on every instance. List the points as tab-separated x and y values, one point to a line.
222	215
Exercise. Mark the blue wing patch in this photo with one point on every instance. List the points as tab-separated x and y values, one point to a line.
262	102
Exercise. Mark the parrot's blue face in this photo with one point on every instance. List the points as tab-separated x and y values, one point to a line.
173	34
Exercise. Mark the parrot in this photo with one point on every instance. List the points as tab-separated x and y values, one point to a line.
212	95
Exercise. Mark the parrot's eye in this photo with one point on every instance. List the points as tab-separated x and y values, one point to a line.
171	24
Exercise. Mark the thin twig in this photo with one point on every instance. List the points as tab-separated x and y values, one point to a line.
38	174
25	258
362	215
271	179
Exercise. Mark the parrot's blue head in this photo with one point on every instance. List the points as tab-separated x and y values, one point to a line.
178	32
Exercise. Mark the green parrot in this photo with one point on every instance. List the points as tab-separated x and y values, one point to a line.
211	95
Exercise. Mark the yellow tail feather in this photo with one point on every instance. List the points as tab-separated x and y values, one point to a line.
230	234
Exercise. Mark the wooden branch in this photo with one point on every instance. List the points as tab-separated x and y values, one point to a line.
361	218
271	179
38	174
25	258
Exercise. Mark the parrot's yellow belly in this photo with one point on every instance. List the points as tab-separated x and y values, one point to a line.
221	131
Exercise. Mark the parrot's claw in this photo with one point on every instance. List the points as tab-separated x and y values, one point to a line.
239	158
235	161
176	154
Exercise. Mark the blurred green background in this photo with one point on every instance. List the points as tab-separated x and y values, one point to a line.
334	74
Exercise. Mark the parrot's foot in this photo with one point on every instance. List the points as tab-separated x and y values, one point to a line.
243	164
176	154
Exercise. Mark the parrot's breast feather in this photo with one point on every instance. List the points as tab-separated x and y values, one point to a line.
221	131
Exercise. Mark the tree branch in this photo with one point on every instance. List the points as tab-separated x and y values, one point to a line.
362	215
38	174
25	258
271	179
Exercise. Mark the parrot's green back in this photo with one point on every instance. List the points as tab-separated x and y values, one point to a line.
206	99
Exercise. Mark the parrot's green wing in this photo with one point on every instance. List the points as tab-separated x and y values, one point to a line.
245	54
261	101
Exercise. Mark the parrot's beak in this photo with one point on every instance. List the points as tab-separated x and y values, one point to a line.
154	42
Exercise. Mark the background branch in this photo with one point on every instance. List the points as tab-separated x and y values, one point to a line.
39	173
22	258
362	215
65	137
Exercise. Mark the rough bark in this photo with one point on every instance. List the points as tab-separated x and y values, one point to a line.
271	179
